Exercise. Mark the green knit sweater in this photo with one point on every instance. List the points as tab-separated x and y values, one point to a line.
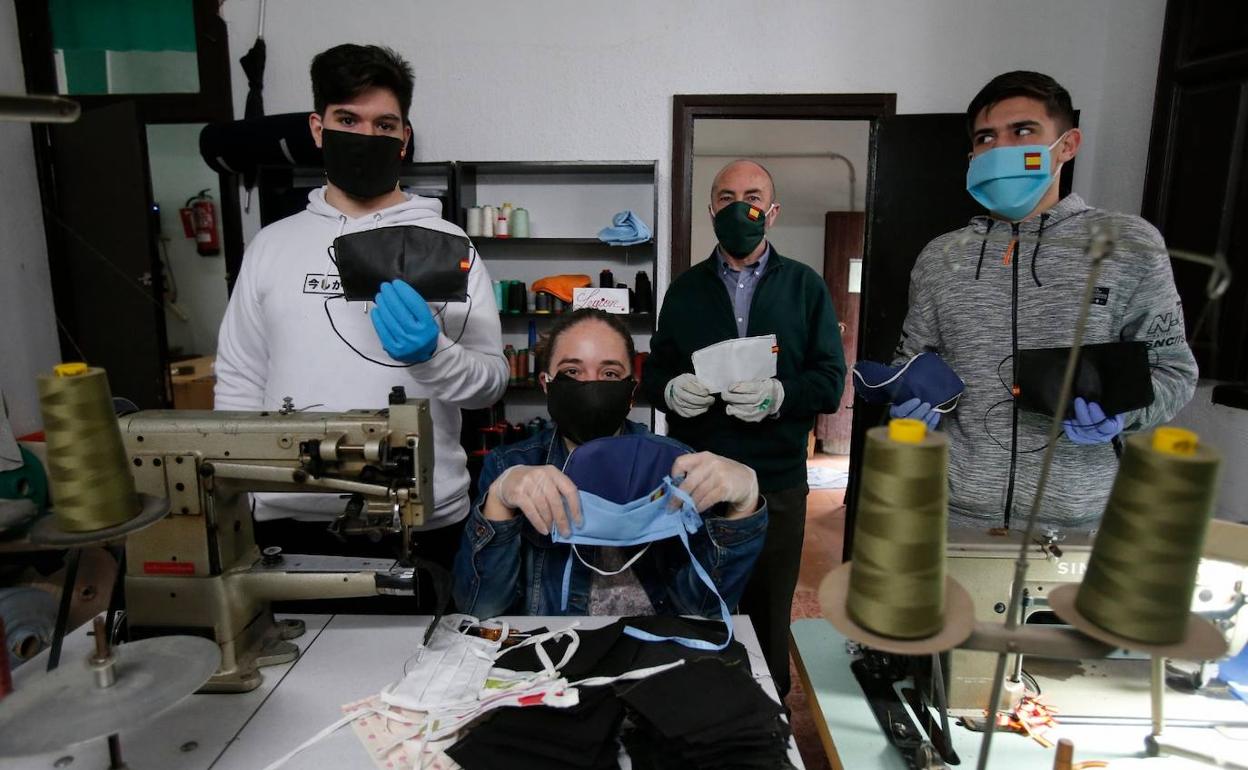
790	301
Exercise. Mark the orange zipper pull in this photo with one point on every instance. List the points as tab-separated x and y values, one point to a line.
1009	252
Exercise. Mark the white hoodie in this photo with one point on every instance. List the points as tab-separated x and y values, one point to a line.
277	341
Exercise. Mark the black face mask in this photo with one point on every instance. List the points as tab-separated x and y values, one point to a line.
1114	374
362	166
434	263
740	228
586	410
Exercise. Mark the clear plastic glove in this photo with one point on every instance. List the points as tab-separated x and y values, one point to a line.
752	401
916	410
687	396
545	496
1090	425
711	479
404	324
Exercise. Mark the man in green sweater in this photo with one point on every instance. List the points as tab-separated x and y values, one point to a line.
746	289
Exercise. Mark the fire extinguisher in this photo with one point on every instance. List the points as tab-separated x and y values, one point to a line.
199	221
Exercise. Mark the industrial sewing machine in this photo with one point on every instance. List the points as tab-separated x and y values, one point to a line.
199	571
983	562
1092	685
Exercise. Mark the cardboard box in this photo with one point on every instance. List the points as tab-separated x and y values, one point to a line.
200	366
193	382
193	393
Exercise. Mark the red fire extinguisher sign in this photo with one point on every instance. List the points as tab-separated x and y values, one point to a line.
199	221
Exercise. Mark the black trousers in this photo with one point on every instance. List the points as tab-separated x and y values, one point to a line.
768	597
313	537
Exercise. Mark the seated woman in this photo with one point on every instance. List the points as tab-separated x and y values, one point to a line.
507	562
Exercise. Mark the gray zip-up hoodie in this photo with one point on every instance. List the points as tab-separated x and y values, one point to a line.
962	306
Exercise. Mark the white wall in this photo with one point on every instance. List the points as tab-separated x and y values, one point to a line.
1225	429
557	79
178	172
28	342
562	80
807	188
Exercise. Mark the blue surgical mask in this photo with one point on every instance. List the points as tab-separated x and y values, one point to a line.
644	520
1010	181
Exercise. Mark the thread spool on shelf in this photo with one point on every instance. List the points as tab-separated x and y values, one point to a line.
488	216
473	228
894	594
1137	591
92	487
519	223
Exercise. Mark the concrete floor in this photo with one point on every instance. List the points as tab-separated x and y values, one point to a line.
821	551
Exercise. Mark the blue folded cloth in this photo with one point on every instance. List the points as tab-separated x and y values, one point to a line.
626	229
1234	671
925	377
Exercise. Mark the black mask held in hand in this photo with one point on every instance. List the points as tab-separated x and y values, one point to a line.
435	263
740	228
360	165
1113	374
590	409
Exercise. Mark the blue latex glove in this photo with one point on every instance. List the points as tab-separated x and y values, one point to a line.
1090	425
404	324
916	410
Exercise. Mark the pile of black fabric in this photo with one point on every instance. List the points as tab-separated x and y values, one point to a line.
704	714
707	713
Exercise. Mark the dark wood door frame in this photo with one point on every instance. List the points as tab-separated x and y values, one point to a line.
686	108
212	103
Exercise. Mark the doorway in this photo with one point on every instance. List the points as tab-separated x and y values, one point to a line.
143	98
819	168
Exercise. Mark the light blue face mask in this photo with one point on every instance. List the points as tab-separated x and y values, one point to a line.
643	520
1010	181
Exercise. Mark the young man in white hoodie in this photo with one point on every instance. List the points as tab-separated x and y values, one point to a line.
289	333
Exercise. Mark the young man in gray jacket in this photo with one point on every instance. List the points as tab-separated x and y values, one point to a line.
1014	280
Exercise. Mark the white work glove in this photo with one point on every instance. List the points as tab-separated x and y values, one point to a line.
541	493
753	400
687	396
711	479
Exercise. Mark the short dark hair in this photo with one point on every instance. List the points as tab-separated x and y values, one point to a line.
546	345
1033	85
345	71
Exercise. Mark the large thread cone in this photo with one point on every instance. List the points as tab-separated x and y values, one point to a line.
897	578
1143	565
91	483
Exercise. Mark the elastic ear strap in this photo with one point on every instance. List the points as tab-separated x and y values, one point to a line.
607	573
900	372
697	644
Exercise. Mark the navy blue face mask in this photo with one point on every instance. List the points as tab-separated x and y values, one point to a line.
926	377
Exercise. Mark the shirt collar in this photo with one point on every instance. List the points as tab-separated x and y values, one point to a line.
757	268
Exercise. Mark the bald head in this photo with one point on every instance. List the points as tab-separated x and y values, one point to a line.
743	180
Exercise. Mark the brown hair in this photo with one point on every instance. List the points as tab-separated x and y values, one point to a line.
546	344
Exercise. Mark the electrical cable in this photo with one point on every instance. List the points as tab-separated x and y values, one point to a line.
438	316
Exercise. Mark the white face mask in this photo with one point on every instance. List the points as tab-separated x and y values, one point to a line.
450	672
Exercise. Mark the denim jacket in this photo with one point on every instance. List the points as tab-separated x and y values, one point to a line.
508	567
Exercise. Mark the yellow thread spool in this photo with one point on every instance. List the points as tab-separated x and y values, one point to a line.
907	431
1142	570
897	577
92	487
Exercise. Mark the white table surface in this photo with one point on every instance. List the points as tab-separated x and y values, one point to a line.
343	658
858	743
